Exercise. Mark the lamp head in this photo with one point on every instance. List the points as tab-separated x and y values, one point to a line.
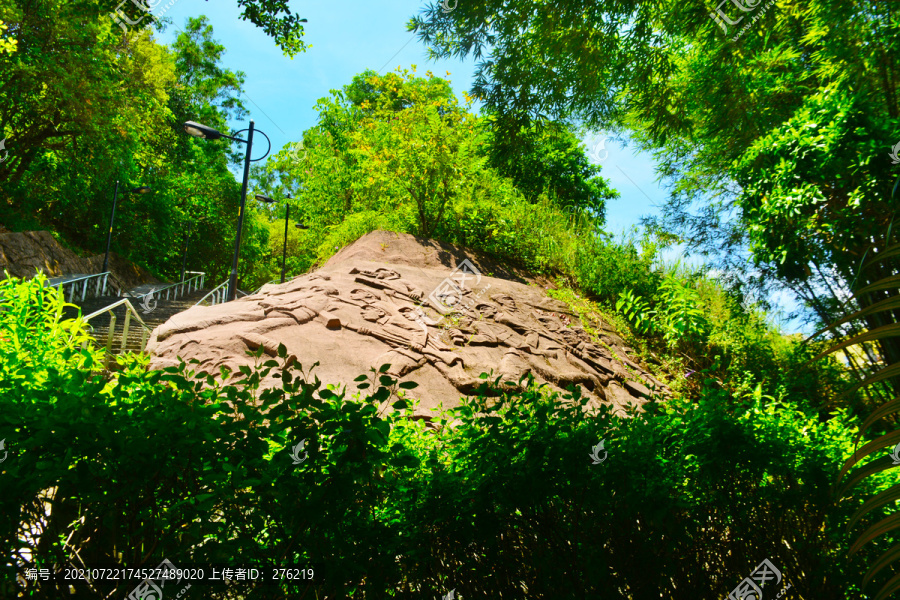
265	199
143	189
201	131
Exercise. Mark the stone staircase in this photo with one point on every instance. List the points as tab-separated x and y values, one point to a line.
159	314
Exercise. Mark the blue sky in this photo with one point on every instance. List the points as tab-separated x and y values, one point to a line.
350	36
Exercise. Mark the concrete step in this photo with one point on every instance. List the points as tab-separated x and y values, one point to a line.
160	312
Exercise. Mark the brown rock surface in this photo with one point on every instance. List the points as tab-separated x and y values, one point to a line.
396	299
23	253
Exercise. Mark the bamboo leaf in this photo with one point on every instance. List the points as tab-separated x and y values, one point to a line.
891	330
888	283
876	466
880	528
883	410
889	588
885	373
887	304
888	495
892	251
885	560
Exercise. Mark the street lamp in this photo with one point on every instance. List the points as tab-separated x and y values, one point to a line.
143	189
187	239
287	218
208	133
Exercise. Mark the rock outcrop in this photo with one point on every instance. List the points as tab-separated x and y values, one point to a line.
23	253
434	314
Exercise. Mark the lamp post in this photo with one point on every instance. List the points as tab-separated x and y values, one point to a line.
287	218
143	189
187	238
208	133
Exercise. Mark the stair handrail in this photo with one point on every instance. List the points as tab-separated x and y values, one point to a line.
218	294
190	282
129	311
101	278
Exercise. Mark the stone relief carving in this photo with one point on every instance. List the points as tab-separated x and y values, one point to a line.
511	333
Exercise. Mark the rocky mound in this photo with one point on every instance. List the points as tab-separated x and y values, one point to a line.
23	253
436	315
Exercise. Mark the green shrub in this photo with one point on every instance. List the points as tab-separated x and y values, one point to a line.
688	501
605	268
636	310
35	341
503	501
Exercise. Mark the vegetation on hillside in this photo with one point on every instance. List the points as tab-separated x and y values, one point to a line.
776	144
503	499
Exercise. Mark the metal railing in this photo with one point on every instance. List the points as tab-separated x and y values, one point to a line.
217	295
192	284
129	311
98	279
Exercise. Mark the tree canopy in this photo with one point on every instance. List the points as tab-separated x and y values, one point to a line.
773	128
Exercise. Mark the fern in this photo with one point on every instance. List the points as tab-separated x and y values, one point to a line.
843	484
636	310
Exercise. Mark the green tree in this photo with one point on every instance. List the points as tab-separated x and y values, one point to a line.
780	135
134	135
547	158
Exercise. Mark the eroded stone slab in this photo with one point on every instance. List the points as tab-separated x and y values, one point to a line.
392	299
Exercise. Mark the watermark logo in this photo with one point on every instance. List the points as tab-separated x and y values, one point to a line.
452	294
3	447
297	151
295	454
751	587
5	153
449	293
895	160
597	151
595	455
446	8
152	588
148	302
146	6
895	455
723	20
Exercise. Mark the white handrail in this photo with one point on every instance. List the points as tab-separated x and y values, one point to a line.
129	311
101	278
195	282
218	294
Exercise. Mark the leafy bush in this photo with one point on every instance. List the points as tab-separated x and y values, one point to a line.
35	341
502	501
636	310
680	314
605	268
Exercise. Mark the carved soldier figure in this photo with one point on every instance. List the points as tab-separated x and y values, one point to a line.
402	332
364	296
533	344
387	279
473	332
